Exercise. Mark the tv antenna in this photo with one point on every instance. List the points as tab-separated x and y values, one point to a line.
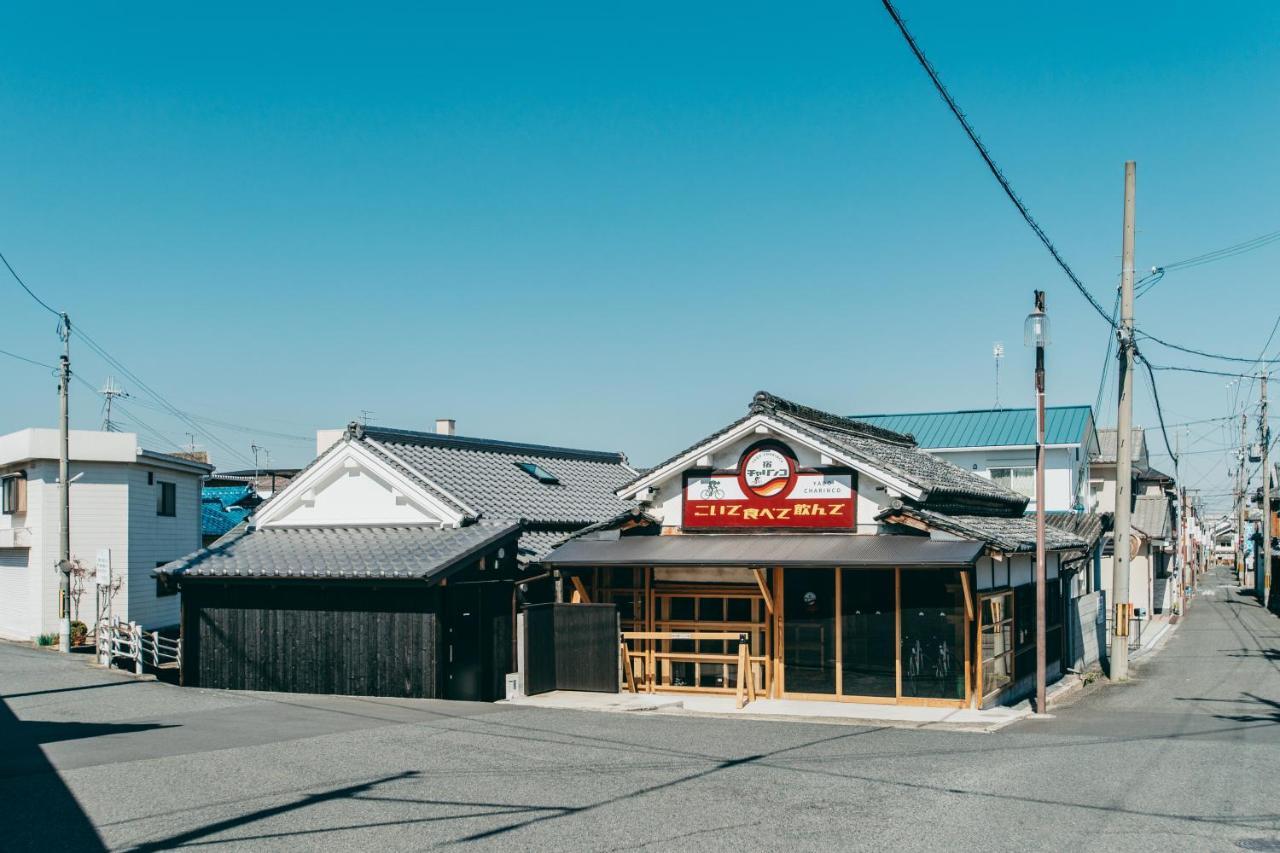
997	352
110	391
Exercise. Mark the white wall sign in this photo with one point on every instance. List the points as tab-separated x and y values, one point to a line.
103	573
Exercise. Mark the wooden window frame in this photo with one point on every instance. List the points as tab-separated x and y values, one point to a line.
13	493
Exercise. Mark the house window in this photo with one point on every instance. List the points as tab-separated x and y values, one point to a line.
1020	480
13	494
537	472
995	642
167	499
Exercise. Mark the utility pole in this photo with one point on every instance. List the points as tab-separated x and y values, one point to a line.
1241	485
1124	427
1038	331
1264	570
64	488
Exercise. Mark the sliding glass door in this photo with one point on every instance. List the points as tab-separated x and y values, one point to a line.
809	630
868	615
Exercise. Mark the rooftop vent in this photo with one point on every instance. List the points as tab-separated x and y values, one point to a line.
446	426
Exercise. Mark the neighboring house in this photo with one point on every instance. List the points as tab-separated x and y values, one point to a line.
224	507
265	482
1153	584
134	508
391	566
859	566
1001	444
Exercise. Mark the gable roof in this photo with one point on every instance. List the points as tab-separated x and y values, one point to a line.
1107	445
1151	516
484	475
989	427
942	484
217	519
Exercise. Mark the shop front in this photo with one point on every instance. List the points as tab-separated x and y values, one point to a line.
835	558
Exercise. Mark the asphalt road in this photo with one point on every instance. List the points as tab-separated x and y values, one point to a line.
1185	757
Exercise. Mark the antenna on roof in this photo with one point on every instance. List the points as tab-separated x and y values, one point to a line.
997	351
109	392
364	416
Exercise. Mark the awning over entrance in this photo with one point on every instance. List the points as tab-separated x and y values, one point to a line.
754	549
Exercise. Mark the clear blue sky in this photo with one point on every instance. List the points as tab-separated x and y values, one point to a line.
608	228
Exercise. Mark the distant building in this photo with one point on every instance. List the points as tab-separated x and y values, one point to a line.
1000	444
224	507
131	510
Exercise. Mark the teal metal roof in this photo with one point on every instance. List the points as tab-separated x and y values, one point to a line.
991	427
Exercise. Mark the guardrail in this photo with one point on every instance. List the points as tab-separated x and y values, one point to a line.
117	640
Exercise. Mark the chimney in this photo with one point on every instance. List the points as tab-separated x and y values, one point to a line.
446	426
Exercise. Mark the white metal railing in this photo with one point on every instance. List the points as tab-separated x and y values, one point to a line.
118	640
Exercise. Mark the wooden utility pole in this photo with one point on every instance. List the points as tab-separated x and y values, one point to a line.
1124	426
64	488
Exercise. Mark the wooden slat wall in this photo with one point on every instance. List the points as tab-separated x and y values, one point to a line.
367	641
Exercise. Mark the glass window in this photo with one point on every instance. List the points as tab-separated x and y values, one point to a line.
932	634
809	611
868	611
167	499
1020	480
13	495
537	472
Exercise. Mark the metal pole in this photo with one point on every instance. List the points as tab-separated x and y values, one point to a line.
1241	485
1124	426
64	489
1040	567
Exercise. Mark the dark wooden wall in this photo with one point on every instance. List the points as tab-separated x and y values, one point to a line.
296	637
571	647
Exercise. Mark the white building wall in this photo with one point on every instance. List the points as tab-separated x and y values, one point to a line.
156	539
20	587
1063	474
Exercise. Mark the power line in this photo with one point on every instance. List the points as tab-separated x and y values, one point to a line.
1204	354
1185	369
991	163
27	360
1155	393
45	305
1223	253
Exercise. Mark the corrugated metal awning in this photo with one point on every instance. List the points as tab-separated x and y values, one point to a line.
756	549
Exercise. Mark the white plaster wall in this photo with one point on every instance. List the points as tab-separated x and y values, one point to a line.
354	496
20	588
156	539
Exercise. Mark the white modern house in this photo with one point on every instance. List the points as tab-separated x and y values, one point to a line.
1000	444
131	511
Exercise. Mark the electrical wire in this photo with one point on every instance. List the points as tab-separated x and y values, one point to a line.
1155	393
1203	353
45	305
991	163
27	360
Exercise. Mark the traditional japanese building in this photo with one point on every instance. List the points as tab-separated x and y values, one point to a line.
858	566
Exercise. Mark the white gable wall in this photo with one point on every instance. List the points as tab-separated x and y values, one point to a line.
873	495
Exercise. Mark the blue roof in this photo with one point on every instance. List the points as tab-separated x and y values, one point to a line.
991	427
225	495
216	518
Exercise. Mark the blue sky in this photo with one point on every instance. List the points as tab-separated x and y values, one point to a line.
608	227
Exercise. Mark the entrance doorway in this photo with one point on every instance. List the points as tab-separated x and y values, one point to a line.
463	671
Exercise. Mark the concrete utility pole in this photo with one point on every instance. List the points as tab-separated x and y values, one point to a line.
1124	428
1241	485
1264	570
64	488
1040	340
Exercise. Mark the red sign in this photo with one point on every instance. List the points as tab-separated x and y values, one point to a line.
769	490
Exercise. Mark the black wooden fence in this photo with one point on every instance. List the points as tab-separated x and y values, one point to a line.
571	647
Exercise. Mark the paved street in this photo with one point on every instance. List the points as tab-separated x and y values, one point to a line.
1187	757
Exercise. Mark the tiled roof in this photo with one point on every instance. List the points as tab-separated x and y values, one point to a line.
484	475
1151	516
226	495
989	427
946	485
1007	534
340	552
216	519
1088	526
1107	445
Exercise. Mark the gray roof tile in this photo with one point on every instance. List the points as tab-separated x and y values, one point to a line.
401	553
1008	534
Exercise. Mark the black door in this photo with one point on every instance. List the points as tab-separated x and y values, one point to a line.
463	671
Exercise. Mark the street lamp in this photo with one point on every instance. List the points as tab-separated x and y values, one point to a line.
1035	332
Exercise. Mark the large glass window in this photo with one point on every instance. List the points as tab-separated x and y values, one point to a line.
1020	480
932	634
809	608
868	613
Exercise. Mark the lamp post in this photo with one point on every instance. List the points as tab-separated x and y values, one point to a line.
1036	333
